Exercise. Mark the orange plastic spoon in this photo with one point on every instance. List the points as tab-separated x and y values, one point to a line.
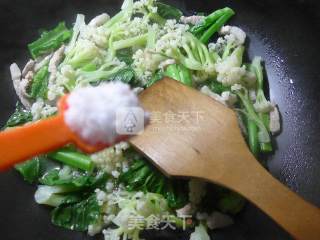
21	143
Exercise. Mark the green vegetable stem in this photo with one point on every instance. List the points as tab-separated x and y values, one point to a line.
73	158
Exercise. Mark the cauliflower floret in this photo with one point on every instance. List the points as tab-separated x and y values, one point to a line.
275	125
229	98
229	70
137	26
263	107
215	219
99	20
226	98
194	20
230	76
218	46
236	87
94	229
111	159
171	36
166	63
184	211
211	94
200	233
233	34
145	63
144	6
40	109
98	35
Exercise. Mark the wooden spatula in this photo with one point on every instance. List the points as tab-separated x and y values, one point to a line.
192	135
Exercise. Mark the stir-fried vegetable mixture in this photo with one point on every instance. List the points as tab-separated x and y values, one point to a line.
117	191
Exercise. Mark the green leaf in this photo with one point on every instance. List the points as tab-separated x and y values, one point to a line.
50	40
155	78
125	55
179	73
216	26
168	12
19	117
30	170
211	24
125	75
176	194
73	179
217	87
141	176
39	86
77	216
34	168
231	202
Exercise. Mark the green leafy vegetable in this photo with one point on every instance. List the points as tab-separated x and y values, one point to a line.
52	195
73	158
19	117
179	73
155	78
249	111
168	12
67	185
30	170
73	180
211	24
141	176
125	55
125	75
231	202
217	87
39	86
77	216
50	41
262	104
253	137
34	168
216	26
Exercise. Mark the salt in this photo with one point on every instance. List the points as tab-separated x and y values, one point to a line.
91	111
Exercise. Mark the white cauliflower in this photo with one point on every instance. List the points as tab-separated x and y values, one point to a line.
233	34
194	20
275	125
200	233
40	109
230	70
226	98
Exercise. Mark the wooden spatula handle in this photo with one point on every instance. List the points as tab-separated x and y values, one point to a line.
21	143
294	214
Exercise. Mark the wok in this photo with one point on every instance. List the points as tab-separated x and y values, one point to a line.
284	33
